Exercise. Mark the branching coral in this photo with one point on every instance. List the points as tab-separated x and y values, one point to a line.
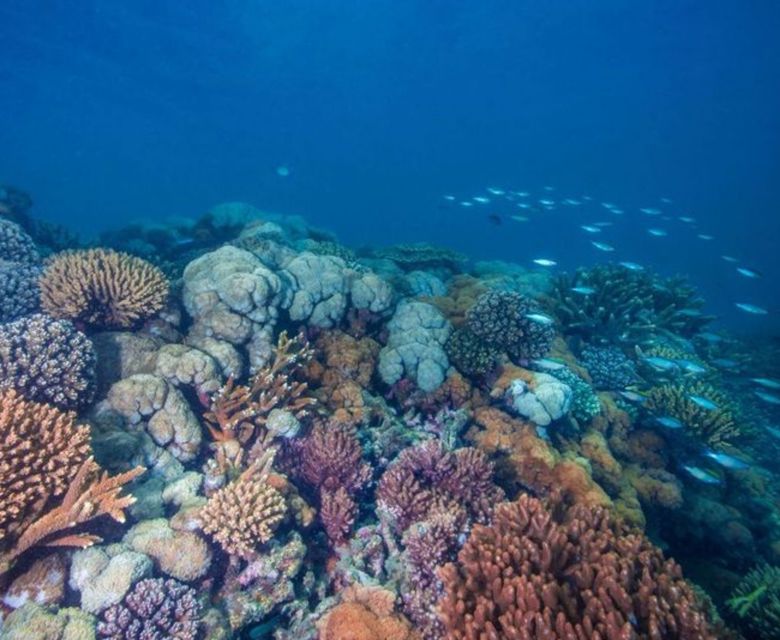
244	514
469	353
503	320
627	306
756	603
102	288
532	574
154	609
714	426
49	484
47	360
238	413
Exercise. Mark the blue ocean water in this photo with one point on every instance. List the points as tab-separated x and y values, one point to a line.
117	111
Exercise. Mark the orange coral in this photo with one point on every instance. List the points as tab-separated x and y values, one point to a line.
365	613
49	482
529	461
463	292
102	288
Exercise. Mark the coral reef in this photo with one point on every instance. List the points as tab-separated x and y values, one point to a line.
533	573
16	245
155	608
365	613
469	353
420	255
47	360
755	602
102	288
18	290
609	367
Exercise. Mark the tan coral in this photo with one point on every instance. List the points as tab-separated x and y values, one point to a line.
365	613
461	296
102	288
244	514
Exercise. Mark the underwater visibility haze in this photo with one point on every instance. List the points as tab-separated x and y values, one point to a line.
385	320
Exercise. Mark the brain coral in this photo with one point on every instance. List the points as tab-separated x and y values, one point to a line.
102	288
16	245
18	290
501	319
47	360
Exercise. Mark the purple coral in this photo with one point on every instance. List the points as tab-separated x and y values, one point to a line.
156	609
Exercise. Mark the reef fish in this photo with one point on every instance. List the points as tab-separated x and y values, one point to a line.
767	382
658	233
690	367
705	236
650	211
540	318
631	266
726	460
603	246
767	397
669	422
748	273
590	228
481	199
544	262
659	363
633	396
729	258
704	403
702	475
551	364
495	191
751	308
584	291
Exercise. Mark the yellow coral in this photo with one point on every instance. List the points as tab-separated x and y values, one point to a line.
102	288
244	514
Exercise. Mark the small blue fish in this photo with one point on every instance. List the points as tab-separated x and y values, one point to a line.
547	203
704	403
590	228
661	364
705	236
544	262
633	396
691	367
481	199
658	233
767	397
603	246
725	460
449	198
751	308
774	432
616	211
466	203
669	422
748	273
631	266
608	205
767	382
650	211
710	337
585	291
725	363
495	191
540	318
572	202
550	364
702	475
730	259
687	219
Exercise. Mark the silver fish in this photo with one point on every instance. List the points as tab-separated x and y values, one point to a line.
725	460
540	318
669	422
544	262
751	308
590	228
661	364
687	219
650	211
702	475
767	397
633	396
767	382
691	367
631	266
705	236
466	203
584	291
603	246
495	191
550	364
450	198
729	258
481	199
748	273
704	403
658	233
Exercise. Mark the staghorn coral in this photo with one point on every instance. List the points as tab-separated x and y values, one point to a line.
16	245
755	602
238	414
18	290
244	514
154	609
501	320
713	426
536	574
102	288
41	450
627	306
47	360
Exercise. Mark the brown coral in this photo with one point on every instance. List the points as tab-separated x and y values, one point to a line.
102	288
244	514
365	613
48	480
574	576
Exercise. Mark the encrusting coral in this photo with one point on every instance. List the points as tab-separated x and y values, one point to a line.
243	515
49	482
536	574
47	360
102	288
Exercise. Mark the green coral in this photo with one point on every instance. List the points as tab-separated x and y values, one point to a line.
713	426
421	255
626	306
756	603
585	404
469	354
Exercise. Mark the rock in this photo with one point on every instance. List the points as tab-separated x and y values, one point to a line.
183	490
182	555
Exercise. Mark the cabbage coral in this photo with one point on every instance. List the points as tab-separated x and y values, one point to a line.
102	288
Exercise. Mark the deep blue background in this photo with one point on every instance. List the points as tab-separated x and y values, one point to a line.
113	112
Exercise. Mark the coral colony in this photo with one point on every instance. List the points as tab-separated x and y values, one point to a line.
235	427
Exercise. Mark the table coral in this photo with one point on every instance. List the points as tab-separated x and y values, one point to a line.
533	574
47	360
102	288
